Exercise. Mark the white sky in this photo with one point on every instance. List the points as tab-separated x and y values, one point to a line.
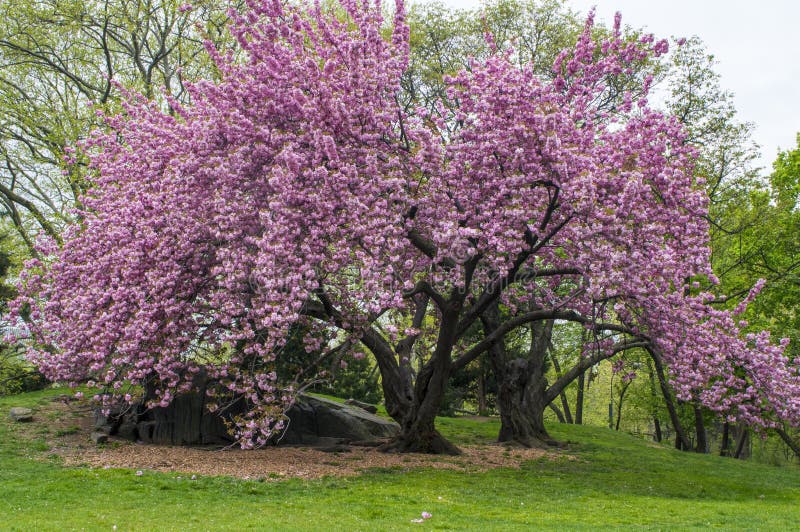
757	45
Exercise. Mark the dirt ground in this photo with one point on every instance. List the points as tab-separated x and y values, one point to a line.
66	426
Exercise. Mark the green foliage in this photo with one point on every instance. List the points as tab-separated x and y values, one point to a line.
16	374
785	179
57	56
608	480
348	377
357	379
472	389
443	40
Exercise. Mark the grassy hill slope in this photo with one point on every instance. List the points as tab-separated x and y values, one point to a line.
605	479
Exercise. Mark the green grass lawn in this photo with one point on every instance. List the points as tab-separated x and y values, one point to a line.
614	480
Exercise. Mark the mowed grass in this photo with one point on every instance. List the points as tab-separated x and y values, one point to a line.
612	480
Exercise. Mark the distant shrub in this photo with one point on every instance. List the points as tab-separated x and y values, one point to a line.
17	375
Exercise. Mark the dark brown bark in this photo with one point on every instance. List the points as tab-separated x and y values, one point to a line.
653	399
700	430
418	433
564	402
657	426
483	408
558	412
579	398
521	405
681	440
789	441
412	403
523	391
521	384
741	443
619	403
725	445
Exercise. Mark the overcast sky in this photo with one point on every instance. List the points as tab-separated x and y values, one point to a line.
757	45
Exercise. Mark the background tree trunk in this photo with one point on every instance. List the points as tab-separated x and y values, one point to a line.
681	440
724	447
619	404
657	436
562	395
558	412
483	409
579	398
741	443
791	443
657	430
700	429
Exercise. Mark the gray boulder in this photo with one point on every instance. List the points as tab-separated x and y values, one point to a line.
313	418
372	409
19	413
313	421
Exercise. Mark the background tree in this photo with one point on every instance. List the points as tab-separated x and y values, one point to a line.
59	56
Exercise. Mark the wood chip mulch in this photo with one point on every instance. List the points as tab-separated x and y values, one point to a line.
272	463
276	463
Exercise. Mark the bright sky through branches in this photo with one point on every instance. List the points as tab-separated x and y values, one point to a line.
756	44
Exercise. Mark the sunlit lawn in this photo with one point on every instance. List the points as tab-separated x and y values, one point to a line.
609	480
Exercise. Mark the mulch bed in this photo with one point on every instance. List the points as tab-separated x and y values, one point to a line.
70	424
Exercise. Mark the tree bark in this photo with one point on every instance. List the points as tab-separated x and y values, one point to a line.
653	398
483	409
579	398
523	391
418	432
700	429
741	443
521	384
657	427
724	448
792	444
564	402
681	440
619	404
558	412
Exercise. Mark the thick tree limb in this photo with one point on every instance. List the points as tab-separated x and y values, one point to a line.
586	363
536	315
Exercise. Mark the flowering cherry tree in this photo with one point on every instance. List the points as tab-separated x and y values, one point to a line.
297	190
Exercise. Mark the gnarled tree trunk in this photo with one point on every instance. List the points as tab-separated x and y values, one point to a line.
414	405
521	384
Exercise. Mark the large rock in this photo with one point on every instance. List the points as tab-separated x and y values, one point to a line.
372	409
19	413
312	418
186	421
